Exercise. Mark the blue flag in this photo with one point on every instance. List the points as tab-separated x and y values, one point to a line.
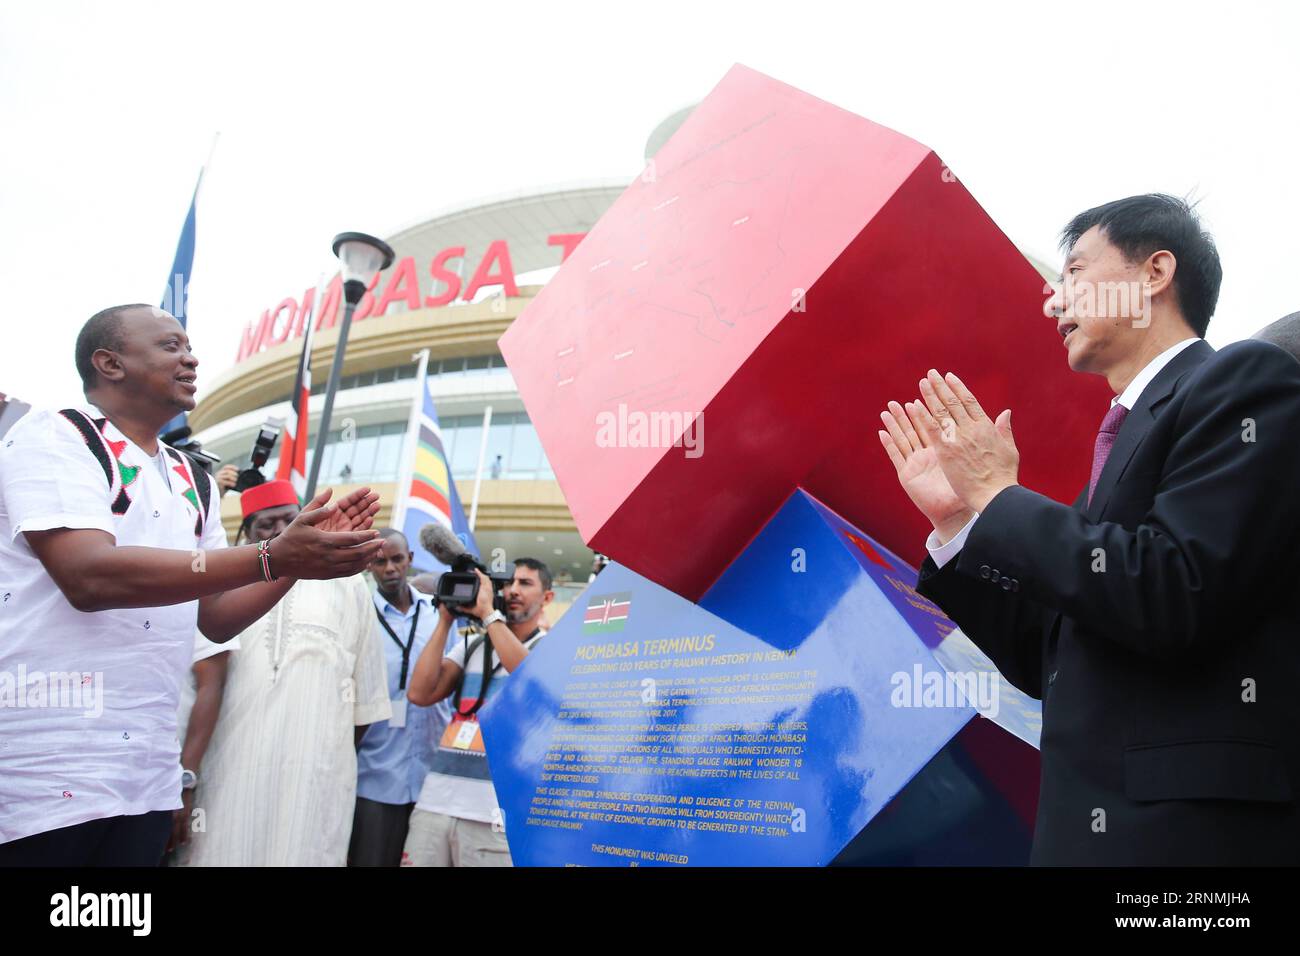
176	294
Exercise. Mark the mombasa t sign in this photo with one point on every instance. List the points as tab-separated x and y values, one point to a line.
287	320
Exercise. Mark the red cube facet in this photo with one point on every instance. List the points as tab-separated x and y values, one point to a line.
782	268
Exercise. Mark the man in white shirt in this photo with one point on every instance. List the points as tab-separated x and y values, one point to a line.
109	558
456	820
1154	618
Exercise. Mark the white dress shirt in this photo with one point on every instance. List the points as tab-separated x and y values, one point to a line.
88	700
941	554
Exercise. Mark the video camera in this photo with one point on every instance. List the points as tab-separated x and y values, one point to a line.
458	588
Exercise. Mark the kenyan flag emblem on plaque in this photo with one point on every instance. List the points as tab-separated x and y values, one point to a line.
607	613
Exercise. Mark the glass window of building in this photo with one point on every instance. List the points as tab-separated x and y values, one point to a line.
388	453
359	454
526	457
464	455
500	435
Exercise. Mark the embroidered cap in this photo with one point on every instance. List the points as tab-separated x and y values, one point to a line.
270	494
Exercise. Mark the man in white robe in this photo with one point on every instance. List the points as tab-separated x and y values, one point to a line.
280	775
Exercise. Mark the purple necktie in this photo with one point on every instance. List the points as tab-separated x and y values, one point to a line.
1105	441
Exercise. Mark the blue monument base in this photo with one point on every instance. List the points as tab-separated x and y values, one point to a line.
800	714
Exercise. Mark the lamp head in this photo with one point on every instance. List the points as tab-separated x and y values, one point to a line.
362	257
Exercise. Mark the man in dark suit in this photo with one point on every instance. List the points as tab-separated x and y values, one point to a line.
1156	618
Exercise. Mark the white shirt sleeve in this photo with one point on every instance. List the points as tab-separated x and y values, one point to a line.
204	648
50	479
941	554
456	653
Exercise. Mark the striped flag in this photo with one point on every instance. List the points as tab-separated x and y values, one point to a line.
427	490
607	613
293	444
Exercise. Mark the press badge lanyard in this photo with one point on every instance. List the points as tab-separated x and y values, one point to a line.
406	648
488	674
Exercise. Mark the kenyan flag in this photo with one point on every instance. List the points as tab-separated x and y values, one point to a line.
607	613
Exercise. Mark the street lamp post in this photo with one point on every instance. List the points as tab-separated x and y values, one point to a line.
362	258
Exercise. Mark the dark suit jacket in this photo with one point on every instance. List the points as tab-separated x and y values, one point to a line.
1170	680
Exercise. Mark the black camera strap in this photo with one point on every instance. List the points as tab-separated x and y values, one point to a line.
410	641
488	672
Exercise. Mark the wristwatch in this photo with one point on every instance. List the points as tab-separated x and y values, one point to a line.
493	617
189	779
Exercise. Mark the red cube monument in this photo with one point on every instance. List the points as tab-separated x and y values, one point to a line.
731	328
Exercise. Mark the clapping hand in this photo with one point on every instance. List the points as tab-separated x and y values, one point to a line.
329	541
950	458
919	472
353	512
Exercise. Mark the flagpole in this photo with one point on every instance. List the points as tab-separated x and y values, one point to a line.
309	332
207	164
304	418
478	473
300	408
403	486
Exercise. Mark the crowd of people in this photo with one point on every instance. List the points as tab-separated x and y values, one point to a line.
254	702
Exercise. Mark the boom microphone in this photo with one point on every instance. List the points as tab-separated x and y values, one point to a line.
440	542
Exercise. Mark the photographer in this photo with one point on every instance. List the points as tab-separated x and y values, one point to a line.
456	821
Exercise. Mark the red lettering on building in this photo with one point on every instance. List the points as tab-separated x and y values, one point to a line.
438	269
483	275
250	342
288	308
402	286
329	311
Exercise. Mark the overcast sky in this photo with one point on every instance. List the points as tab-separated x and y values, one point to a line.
332	119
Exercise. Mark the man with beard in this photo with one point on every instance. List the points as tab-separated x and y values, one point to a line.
457	821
